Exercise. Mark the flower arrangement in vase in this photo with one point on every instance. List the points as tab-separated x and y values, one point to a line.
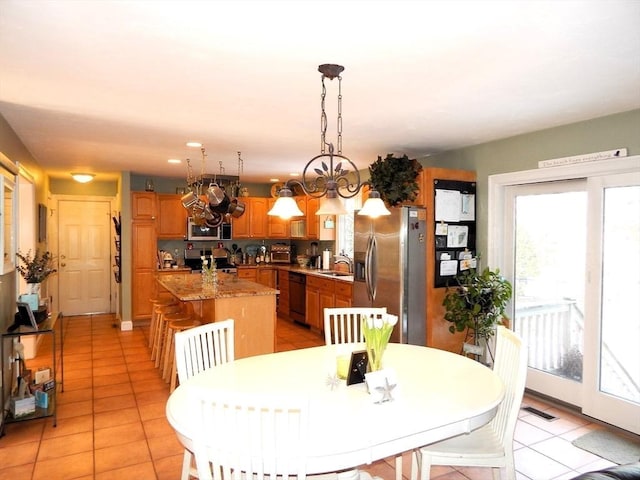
209	272
377	332
35	269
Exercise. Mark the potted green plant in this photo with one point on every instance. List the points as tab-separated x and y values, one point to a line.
395	178
476	305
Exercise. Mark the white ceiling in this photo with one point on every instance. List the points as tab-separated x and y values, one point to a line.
105	86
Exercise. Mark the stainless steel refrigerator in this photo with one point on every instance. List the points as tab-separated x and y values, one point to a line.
390	269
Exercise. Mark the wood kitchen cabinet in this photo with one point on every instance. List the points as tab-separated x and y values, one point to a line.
344	294
143	206
266	276
324	293
143	266
253	223
438	334
248	273
172	216
263	275
312	315
313	220
276	226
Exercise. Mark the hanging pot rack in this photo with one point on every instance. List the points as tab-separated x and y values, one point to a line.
219	205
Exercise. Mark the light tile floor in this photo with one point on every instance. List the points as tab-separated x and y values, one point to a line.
111	422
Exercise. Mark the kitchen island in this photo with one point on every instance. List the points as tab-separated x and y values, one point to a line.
251	305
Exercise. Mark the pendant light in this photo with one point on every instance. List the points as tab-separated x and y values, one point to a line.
329	176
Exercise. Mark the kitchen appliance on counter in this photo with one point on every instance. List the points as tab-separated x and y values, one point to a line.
282	253
204	232
390	269
193	259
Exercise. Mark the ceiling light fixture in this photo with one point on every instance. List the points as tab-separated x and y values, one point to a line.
83	177
321	177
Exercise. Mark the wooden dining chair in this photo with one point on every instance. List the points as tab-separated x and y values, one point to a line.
492	444
196	350
344	325
256	437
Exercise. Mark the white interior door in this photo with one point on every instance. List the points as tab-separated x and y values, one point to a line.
84	256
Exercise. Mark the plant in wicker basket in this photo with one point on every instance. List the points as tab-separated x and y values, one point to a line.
395	178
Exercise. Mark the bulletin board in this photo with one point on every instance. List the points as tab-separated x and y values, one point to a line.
455	229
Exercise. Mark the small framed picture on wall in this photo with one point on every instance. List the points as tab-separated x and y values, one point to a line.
42	223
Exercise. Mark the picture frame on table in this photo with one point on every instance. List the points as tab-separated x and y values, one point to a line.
357	367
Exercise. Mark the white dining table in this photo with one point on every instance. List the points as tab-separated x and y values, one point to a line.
438	395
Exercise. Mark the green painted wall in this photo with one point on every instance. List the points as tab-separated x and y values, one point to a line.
523	152
102	188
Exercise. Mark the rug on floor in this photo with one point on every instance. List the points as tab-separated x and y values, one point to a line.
608	445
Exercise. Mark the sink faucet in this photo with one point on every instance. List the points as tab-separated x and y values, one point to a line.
344	259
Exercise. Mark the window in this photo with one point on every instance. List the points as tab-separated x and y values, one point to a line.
344	225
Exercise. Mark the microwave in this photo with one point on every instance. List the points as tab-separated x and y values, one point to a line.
197	232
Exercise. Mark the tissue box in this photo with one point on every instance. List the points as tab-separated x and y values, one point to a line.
22	406
33	299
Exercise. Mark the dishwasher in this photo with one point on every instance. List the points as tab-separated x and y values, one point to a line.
297	297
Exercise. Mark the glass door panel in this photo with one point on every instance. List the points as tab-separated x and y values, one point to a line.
549	284
619	353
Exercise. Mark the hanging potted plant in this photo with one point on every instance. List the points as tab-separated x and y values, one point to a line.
35	269
476	305
395	178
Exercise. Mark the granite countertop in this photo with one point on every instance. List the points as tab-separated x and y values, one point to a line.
342	276
174	270
188	287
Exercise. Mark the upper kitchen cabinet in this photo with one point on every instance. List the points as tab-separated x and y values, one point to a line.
313	220
253	223
311	226
276	226
319	227
143	205
172	216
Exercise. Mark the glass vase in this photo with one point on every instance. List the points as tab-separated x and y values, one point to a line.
375	354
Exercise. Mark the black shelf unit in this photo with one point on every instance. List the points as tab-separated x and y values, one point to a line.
48	327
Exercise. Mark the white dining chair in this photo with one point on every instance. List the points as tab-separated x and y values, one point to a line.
254	437
344	325
492	444
203	347
198	349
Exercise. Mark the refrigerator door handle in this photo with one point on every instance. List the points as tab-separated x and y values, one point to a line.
371	274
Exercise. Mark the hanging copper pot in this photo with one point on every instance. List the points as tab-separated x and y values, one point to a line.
214	220
236	208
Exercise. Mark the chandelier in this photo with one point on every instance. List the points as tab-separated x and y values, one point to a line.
330	175
218	207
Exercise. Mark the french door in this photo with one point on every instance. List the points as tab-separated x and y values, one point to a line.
571	247
549	276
